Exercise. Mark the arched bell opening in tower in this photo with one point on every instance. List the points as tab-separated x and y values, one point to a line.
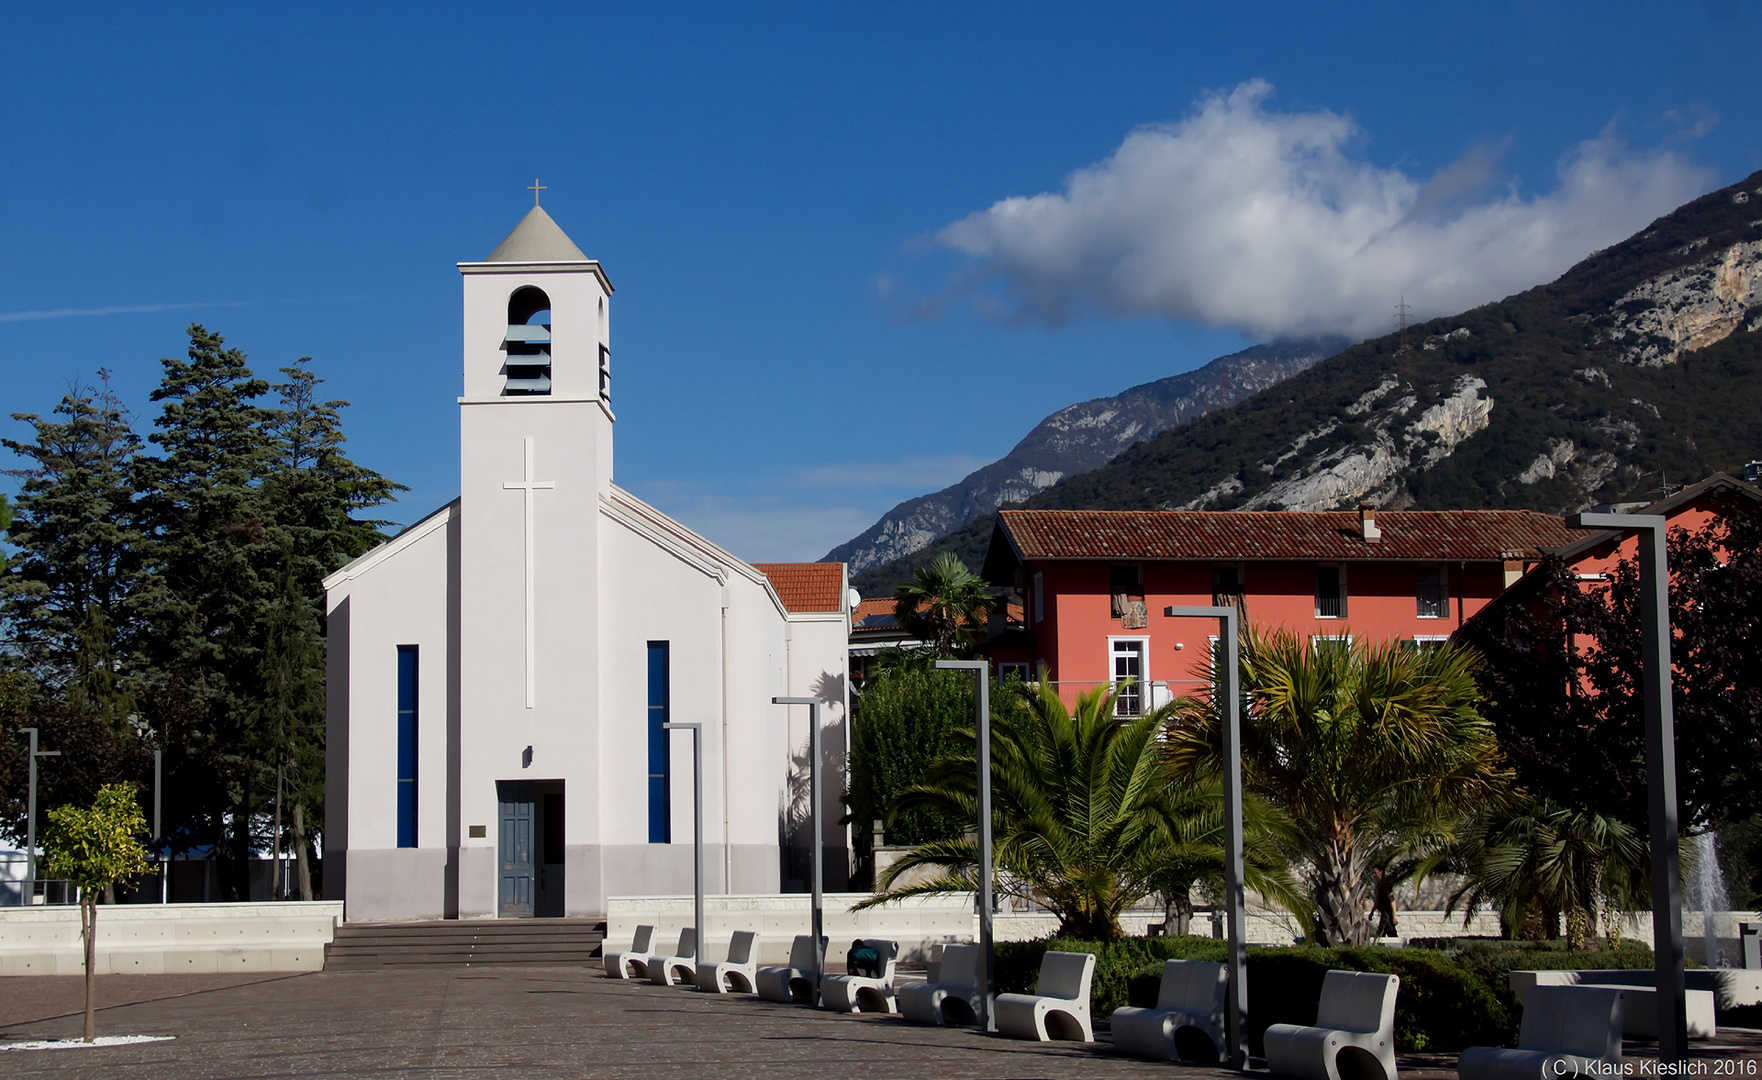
528	343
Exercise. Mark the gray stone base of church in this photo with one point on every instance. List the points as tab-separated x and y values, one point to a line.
424	883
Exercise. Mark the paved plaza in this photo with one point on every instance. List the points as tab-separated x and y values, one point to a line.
496	1022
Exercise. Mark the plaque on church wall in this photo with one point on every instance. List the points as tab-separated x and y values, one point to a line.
478	832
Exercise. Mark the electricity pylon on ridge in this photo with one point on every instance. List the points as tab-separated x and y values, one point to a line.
1404	353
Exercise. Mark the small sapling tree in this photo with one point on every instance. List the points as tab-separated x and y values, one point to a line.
95	848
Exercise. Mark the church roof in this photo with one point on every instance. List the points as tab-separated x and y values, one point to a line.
536	239
813	586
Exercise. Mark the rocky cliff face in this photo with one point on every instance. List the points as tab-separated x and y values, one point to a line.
1395	440
1077	439
1689	308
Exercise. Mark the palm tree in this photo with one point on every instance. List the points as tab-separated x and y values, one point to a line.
1085	822
1541	859
944	604
1356	744
1195	857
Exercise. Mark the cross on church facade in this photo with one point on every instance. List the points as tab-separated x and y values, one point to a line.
535	187
527	486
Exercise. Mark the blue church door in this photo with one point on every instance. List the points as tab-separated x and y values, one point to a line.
515	892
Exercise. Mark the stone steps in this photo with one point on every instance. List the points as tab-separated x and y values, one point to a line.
466	943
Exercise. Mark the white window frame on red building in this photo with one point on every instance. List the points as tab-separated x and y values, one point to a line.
1140	690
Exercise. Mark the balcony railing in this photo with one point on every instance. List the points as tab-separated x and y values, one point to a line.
1431	602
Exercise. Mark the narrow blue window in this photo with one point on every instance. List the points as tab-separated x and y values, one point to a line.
406	746
660	812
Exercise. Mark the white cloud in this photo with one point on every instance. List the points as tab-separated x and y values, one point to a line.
121	309
1246	217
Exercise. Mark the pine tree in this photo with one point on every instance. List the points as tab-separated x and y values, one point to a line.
315	491
209	543
67	593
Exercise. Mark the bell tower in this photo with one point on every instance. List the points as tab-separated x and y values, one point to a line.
535	444
537	327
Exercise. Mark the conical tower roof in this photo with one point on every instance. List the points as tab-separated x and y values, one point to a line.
536	239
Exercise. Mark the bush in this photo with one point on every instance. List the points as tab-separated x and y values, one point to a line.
903	721
1493	959
1443	1005
1116	962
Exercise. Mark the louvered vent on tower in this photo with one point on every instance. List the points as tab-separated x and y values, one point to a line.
528	342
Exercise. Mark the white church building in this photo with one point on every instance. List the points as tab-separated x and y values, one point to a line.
500	671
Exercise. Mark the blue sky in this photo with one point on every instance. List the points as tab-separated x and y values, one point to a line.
859	249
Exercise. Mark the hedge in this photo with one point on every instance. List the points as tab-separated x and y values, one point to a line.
1493	959
1018	963
1454	993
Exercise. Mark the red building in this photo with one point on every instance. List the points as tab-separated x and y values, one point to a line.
1691	509
1093	583
1596	554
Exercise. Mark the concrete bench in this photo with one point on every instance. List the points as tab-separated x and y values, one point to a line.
1732	988
1059	1006
793	983
1567	1031
952	998
633	963
1355	1019
680	969
1187	1023
735	973
864	993
1642	999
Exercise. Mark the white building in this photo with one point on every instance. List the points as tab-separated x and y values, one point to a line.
499	672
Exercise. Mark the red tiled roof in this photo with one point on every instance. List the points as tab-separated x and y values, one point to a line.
881	608
807	586
1282	534
880	605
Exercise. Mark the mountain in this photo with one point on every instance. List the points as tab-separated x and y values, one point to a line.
1077	439
1639	368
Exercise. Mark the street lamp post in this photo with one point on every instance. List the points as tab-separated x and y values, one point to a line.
697	828
30	828
1667	951
981	670
1236	913
819	918
158	826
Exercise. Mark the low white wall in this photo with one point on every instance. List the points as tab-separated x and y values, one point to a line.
919	925
158	939
778	918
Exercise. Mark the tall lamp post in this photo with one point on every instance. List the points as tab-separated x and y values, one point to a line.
1667	951
697	828
159	828
819	917
981	670
30	828
1236	913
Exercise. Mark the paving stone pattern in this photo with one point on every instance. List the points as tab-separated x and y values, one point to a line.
485	1022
